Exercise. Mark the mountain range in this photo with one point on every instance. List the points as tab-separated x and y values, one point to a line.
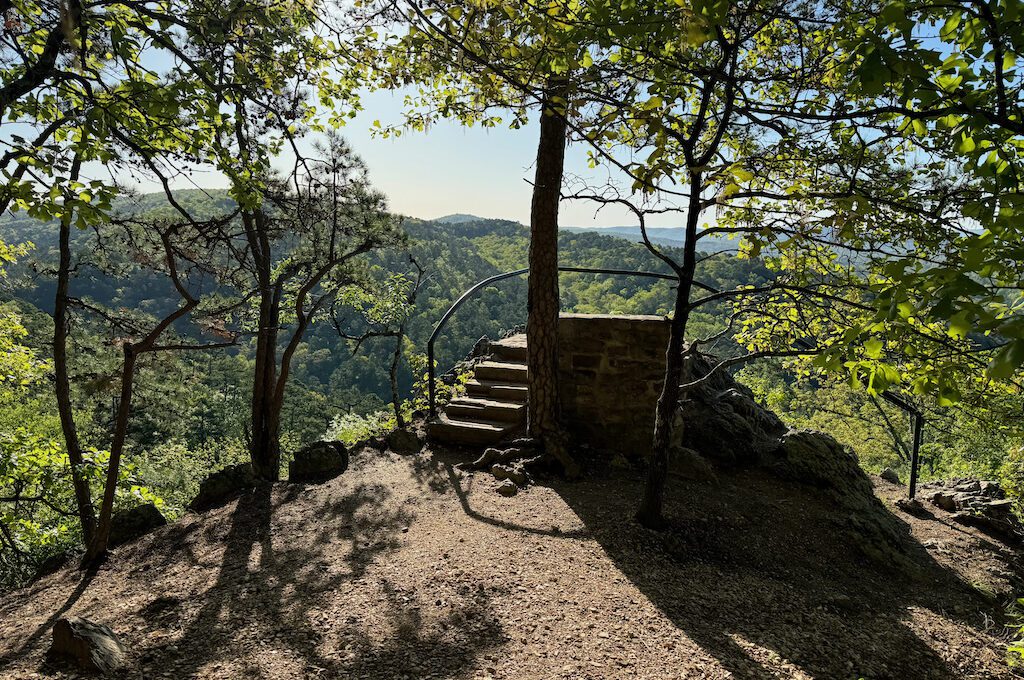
673	237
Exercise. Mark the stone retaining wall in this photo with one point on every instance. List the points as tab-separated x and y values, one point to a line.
611	370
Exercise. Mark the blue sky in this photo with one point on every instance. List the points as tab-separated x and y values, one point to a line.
453	169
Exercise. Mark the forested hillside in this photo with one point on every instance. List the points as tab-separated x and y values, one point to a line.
795	449
189	418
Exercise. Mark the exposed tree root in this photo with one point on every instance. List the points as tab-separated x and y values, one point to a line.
517	465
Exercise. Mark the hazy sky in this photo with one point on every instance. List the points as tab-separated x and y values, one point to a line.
452	169
448	169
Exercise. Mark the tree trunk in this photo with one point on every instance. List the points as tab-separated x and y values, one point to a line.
62	383
265	448
98	546
396	359
544	412
650	512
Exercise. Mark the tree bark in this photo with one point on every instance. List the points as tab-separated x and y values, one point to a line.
544	412
265	448
98	546
396	360
62	383
650	513
264	445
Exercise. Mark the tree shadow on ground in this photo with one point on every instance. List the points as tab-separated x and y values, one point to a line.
263	593
86	577
762	572
276	586
437	472
757	570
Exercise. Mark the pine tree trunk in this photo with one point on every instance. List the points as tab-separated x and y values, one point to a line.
62	383
264	446
543	304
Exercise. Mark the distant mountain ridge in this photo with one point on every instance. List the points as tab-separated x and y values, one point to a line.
673	237
459	218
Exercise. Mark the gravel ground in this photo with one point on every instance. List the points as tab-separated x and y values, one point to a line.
403	569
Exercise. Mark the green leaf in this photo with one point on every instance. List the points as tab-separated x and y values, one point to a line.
1007	361
873	348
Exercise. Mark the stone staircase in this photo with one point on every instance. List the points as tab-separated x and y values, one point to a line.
495	400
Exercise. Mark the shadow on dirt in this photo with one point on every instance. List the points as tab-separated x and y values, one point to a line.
755	569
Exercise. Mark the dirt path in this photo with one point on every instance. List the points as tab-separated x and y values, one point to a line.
400	569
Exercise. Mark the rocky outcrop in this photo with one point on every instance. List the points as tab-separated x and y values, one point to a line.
721	423
89	646
128	525
816	459
223	485
318	462
979	503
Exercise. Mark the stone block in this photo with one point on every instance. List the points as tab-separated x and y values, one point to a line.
586	361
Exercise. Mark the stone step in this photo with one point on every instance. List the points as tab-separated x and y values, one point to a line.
466	432
490	389
478	409
510	349
504	371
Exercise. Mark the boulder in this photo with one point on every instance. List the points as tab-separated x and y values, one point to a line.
89	646
128	525
991	489
722	421
318	462
514	473
912	506
508	488
517	475
889	475
223	485
943	500
403	441
689	464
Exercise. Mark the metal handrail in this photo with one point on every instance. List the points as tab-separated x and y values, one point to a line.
431	378
916	416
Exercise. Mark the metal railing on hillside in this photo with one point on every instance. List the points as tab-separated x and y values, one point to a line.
431	377
916	416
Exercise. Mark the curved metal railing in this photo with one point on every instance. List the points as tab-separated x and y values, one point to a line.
916	416
431	377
